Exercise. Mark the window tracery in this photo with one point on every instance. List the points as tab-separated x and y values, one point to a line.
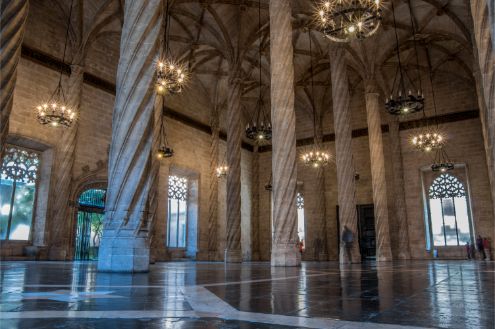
446	186
177	188
299	201
20	165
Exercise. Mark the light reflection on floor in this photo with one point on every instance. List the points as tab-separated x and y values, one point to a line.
252	295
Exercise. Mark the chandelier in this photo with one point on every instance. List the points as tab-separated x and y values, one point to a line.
259	129
441	161
315	157
56	111
222	171
427	141
400	101
347	20
171	76
164	150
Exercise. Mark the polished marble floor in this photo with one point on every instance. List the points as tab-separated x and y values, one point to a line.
440	294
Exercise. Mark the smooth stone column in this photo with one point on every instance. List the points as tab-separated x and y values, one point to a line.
64	163
125	245
233	252
400	196
379	183
213	191
346	184
284	244
13	15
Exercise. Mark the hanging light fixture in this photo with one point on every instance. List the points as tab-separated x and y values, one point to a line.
347	20
405	97
222	169
56	112
429	138
316	157
259	129
441	162
164	150
171	76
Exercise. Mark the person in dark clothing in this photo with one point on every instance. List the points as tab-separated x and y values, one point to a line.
481	247
347	240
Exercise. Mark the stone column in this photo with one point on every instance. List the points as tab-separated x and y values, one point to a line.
131	178
213	192
255	210
379	183
400	196
346	184
62	173
13	15
284	244
484	72
320	198
233	252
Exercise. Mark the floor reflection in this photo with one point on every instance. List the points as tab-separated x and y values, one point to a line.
430	294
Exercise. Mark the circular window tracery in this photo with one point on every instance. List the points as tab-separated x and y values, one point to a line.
446	186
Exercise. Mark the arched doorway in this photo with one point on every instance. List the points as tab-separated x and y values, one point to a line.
90	215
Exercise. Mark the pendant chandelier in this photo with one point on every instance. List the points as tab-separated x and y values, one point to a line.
164	150
171	76
57	112
347	20
316	157
441	162
430	138
259	129
405	97
222	169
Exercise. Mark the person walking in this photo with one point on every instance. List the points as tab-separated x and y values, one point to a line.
486	247
481	247
347	240
468	250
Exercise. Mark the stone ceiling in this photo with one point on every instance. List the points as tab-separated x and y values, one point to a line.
212	36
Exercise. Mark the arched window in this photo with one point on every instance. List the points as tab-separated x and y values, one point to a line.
90	216
300	219
449	216
17	192
177	212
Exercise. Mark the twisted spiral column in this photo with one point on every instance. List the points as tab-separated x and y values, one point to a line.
233	252
400	197
131	179
64	164
284	244
383	252
482	12
213	192
255	210
343	152
13	15
321	209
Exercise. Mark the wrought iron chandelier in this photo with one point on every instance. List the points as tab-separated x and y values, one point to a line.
347	20
430	138
316	157
164	150
57	112
405	97
441	162
260	128
222	171
171	76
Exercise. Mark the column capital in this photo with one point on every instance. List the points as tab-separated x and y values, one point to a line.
371	86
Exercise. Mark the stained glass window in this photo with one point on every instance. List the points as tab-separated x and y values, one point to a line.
19	174
177	212
450	222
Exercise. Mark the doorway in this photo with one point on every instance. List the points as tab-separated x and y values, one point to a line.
366	230
90	216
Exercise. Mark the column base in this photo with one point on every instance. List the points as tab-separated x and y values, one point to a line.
285	255
57	253
233	256
124	254
404	256
322	257
383	258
